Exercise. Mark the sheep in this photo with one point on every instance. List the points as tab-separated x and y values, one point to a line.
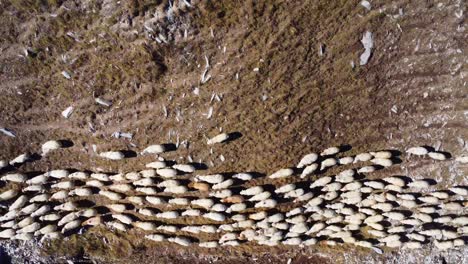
437	155
362	157
9	215
368	211
282	173
382	162
239	217
334	186
50	217
79	175
64	185
15	177
352	186
218	208
209	244
327	163
367	169
451	206
126	219
294	211
221	194
155	237
184	168
237	207
213	179
215	216
111	195
146	212
94	183
41	210
9	224
20	159
309	170
443	245
29	209
396	229
157	165
334	220
58	174
71	225
429	199
295	241
133	176
19	202
154	149
315	202
144	182
218	139
191	212
138	200
46	230
330	151
321	182
395	181
440	195
436	233
3	164
25	222
299	228
419	151
285	188
411	222
208	229
203	202
243	176
461	159
419	184
112	155
460	190
166	172
118	208
447	234
281	225
40	179
377	233
252	191
268	203
373	219
34	188
307	160
294	193
176	189
123	187
147	226
460	221
316	228
223	185
148	173
179	201
375	185
168	183
168	228
100	176
68	218
68	206
260	197
259	215
233	199
147	190
24	237
329	196
9	194
345	160
33	227
345	176
443	219
117	225
394	188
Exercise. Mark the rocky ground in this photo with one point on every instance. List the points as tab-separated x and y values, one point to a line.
284	74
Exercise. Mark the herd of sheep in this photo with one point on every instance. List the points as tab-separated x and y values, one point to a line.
301	205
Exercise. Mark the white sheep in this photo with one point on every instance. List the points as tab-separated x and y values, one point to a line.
203	202
437	155
243	176
168	228
64	185
79	175
260	197
451	206
112	155
382	162
34	188
218	139
41	210
221	194
268	203
111	195
122	187
395	181
166	172
307	160
155	237
429	199
176	189
184	168
126	219
285	188
19	202
330	151
3	164
331	187
237	207
138	200
147	190
282	173
191	212
147	226
33	227
24	237
321	182
309	170
58	174
117	225
213	179
419	184
223	185
46	230
460	221
367	169
461	159
440	195
71	225
345	176
362	157
50	217
460	190
145	182
345	160
8	194
419	151
40	179
157	165
20	159
443	245
15	177
252	191
327	163
154	149
68	206
215	216
179	201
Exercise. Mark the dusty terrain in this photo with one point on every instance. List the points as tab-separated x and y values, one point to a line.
412	91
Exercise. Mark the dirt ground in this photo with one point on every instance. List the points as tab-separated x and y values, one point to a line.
281	75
